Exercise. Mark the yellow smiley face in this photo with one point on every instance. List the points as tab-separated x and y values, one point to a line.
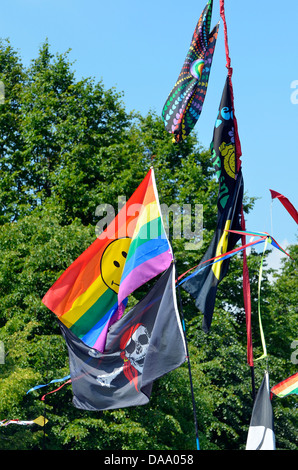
113	261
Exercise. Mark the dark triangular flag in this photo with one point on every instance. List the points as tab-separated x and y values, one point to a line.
142	346
261	430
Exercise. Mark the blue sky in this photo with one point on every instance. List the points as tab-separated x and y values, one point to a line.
139	48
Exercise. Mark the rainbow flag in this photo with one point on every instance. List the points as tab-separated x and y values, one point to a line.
288	386
92	293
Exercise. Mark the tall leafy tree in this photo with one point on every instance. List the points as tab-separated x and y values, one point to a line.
12	76
67	146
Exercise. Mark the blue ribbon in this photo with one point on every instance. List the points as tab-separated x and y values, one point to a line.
45	385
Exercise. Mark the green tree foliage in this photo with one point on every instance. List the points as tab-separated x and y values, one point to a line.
66	146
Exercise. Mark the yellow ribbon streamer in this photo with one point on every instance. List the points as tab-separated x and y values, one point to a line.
259	305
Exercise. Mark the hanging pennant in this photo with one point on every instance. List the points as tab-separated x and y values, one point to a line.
286	203
41	421
184	104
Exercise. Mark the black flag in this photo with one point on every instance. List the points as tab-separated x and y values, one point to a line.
145	344
223	149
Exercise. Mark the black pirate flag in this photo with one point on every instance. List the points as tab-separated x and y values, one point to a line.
145	344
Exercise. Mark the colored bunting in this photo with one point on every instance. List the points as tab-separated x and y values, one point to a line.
286	203
287	387
41	421
261	430
145	344
91	294
185	102
219	258
263	235
37	387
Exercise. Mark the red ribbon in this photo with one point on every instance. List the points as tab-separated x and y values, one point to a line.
56	390
246	283
230	72
286	203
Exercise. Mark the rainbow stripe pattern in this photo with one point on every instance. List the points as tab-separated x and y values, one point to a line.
288	386
92	293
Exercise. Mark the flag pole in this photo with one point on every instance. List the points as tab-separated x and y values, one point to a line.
185	337
188	358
